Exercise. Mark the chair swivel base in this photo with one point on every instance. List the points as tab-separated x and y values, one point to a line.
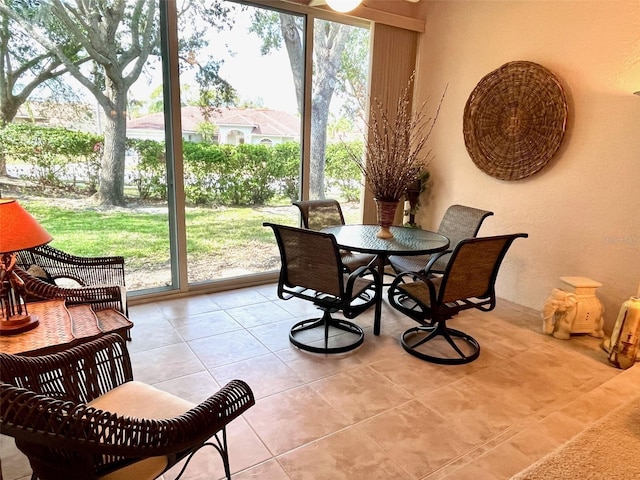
325	322
425	334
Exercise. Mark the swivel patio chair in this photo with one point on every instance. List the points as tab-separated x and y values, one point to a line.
458	223
319	214
468	282
79	415
311	269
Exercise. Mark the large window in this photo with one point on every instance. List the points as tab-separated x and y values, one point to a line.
112	161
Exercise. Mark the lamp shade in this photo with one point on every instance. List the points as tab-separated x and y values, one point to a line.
18	229
343	5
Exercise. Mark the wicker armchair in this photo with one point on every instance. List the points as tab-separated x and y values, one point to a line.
79	414
84	270
100	297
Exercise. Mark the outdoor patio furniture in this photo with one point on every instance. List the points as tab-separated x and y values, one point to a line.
79	414
319	214
468	282
458	223
313	271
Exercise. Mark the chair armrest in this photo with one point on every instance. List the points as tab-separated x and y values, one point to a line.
86	430
79	374
359	272
422	288
433	259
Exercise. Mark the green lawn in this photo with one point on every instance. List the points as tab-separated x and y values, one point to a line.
142	236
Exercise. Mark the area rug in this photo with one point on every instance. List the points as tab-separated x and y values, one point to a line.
609	449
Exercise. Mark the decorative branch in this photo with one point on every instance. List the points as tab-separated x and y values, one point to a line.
395	153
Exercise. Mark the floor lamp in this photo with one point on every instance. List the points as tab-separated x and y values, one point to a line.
18	231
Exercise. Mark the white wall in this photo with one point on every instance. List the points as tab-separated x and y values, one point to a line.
582	211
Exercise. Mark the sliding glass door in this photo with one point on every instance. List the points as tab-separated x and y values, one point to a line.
99	148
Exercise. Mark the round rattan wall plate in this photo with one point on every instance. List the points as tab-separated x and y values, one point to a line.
514	120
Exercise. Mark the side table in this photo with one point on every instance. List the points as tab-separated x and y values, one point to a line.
62	326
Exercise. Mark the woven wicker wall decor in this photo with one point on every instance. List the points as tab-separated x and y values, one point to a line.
514	120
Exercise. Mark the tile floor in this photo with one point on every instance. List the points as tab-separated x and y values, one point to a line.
374	413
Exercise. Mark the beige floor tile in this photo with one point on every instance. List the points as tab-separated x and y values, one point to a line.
293	418
498	464
311	366
227	348
245	450
195	388
270	470
266	375
375	412
184	307
360	393
474	409
416	437
546	435
237	298
258	314
345	455
147	336
204	325
165	363
417	376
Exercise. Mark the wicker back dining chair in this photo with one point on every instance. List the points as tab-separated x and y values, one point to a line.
468	282
312	270
458	223
319	214
79	414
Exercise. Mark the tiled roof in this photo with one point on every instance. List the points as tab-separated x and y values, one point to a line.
263	121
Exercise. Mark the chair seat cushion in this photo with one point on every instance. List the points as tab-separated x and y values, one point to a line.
137	399
39	272
413	263
149	468
419	290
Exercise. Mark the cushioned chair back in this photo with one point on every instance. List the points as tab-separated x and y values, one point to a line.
319	214
473	268
458	223
310	260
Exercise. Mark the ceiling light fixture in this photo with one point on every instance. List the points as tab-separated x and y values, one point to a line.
637	93
343	6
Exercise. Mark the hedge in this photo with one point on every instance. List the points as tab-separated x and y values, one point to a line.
214	174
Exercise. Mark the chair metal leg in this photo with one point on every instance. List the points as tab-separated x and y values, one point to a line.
326	322
221	446
431	332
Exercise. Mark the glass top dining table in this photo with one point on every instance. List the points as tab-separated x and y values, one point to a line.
405	241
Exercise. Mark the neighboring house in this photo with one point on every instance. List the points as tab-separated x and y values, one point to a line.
234	126
74	116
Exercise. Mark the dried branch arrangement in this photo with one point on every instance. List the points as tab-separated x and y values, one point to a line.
395	153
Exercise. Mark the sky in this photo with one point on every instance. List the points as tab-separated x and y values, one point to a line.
253	75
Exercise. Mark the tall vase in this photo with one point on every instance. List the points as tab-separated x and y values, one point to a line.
386	213
623	345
